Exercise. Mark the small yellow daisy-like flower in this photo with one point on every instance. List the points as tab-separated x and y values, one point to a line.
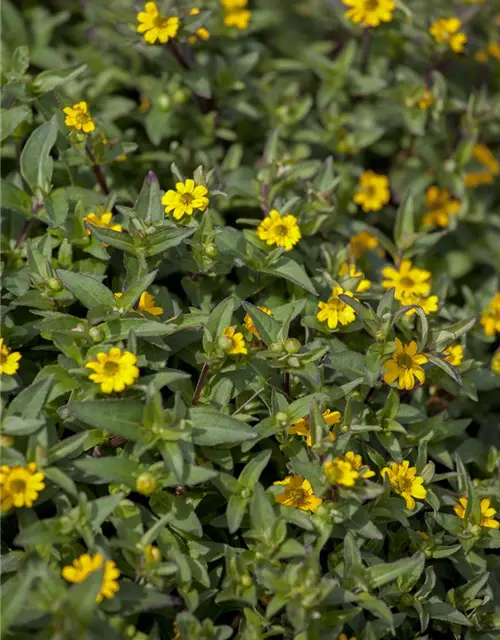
86	564
283	231
237	342
426	100
9	360
20	486
334	310
231	5
298	493
78	118
477	179
454	354
487	512
239	19
370	13
490	318
405	482
407	281
249	325
343	636
495	363
484	156
147	303
352	271
429	304
301	427
361	242
102	219
340	472
494	50
185	199
114	370
404	366
156	27
447	31
481	56
201	33
356	462
439	207
373	191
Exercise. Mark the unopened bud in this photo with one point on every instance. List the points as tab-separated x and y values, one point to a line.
54	284
292	345
152	553
96	334
276	347
225	343
211	250
293	362
146	484
282	417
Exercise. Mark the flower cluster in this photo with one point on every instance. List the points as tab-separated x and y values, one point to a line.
373	191
447	31
236	14
483	156
440	206
85	565
346	470
490	318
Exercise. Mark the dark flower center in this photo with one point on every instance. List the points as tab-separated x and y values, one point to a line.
186	198
18	485
111	368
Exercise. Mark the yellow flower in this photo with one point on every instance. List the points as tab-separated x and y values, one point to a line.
440	206
201	33
298	493
114	370
373	191
454	354
249	325
283	231
340	471
370	13
490	318
9	360
237	341
86	564
238	19
144	104
446	31
154	26
352	272
404	366
495	363
231	5
335	310
343	636
487	512
429	304
426	100
102	219
78	118
407	281
147	303
477	179
494	50
361	242
481	56
301	427
185	199
405	482
484	156
20	486
356	462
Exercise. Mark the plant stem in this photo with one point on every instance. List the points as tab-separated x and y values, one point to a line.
286	383
97	169
367	41
201	382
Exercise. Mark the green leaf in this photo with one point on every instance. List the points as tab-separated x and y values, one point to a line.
48	80
120	240
97	511
446	367
74	445
443	611
82	596
377	607
15	594
267	327
148	206
380	574
120	417
11	119
251	473
287	268
17	426
36	163
109	469
15	199
89	291
262	513
120	328
235	511
30	402
211	428
133	293
442	338
167	239
220	317
404	229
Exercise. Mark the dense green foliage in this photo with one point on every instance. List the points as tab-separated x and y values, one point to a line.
169	475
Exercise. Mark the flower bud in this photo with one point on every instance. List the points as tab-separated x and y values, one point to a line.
276	347
163	102
225	343
54	284
293	362
282	417
211	250
6	441
96	334
246	581
292	345
146	484
152	553
245	493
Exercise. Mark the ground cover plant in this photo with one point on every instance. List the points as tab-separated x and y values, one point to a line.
250	316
